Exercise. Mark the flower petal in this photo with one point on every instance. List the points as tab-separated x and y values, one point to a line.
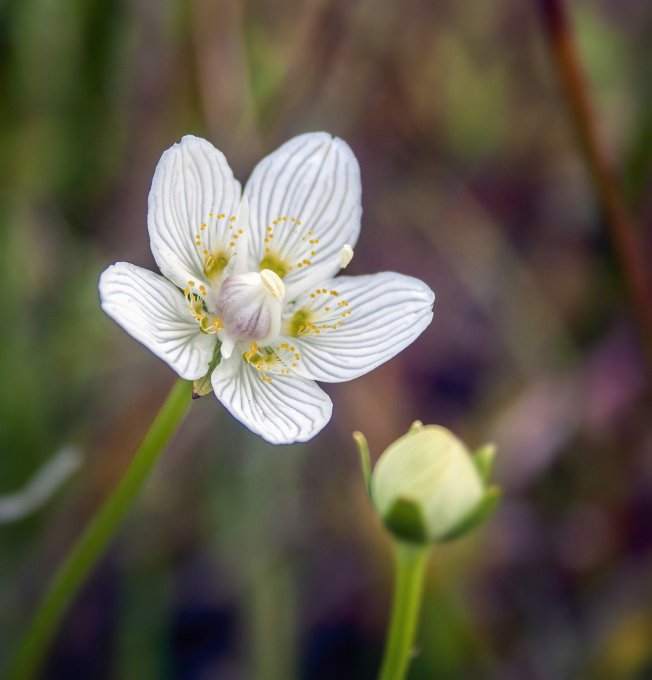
192	200
154	311
359	323
288	409
305	204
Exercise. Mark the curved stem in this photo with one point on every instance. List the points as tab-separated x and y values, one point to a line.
623	233
89	547
411	563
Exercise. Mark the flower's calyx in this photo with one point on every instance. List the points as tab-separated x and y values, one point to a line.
427	488
202	386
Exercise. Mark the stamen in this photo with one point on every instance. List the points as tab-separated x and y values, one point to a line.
270	361
217	253
317	315
274	263
207	323
273	284
287	249
317	273
346	255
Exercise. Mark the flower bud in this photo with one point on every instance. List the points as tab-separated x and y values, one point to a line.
426	486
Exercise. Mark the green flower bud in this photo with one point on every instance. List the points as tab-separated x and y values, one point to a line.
427	487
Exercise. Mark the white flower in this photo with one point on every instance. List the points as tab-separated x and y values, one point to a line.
255	270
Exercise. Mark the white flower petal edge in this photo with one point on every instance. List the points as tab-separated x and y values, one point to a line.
305	204
285	410
153	310
380	315
192	204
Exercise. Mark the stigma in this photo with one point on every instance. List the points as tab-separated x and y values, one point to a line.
249	307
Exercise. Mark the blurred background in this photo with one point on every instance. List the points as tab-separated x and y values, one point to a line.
241	560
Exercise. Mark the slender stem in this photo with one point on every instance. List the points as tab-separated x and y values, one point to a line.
622	230
89	547
411	563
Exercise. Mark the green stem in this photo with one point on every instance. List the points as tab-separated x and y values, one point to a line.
89	547
411	563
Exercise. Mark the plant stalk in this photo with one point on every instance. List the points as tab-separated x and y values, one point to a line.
620	224
411	563
89	547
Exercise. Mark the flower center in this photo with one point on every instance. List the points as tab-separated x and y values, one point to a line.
249	306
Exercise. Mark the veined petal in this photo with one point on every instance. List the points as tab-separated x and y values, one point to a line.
304	205
192	212
288	409
354	323
153	310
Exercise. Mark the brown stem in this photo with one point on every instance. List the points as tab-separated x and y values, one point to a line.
622	231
